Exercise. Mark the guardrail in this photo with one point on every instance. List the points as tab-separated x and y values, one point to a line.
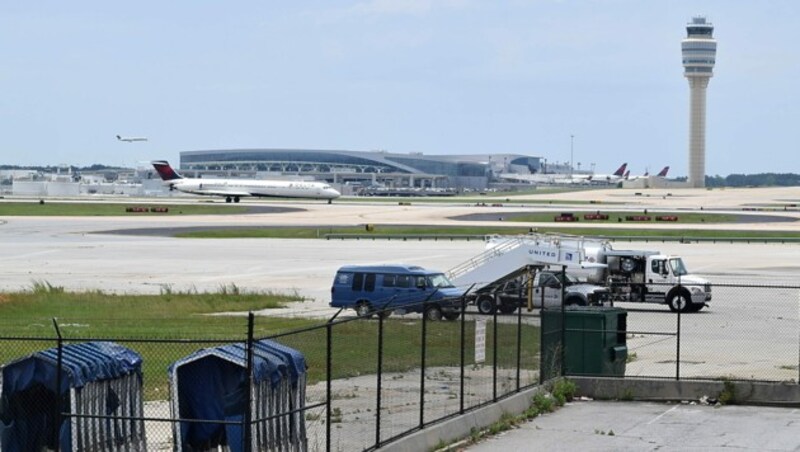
618	238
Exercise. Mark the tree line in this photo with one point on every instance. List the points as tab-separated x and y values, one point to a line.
754	180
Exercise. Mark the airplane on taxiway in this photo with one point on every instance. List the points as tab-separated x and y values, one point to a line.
234	189
131	139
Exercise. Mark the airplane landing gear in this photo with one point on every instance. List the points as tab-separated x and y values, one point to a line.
227	199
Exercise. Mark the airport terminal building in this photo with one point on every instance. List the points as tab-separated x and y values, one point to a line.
362	168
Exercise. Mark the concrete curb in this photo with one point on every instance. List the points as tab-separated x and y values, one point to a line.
626	389
460	427
744	392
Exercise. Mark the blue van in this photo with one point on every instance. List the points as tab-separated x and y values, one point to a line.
380	289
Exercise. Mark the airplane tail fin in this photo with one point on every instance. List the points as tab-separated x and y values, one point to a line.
165	171
119	137
627	174
621	170
664	172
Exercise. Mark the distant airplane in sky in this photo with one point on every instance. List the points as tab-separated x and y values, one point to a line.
131	139
233	189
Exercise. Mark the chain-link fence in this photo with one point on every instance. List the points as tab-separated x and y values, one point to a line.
365	382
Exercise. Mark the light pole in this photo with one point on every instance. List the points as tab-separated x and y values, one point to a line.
571	148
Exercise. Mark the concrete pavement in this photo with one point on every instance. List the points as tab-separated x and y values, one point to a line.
644	426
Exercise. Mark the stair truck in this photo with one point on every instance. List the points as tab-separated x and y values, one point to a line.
617	275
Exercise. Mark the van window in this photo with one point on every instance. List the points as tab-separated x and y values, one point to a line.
420	282
369	282
403	281
388	280
358	281
344	279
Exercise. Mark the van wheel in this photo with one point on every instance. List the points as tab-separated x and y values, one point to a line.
679	301
486	304
385	313
363	309
452	315
433	313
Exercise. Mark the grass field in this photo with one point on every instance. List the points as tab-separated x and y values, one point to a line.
164	328
620	217
90	209
382	231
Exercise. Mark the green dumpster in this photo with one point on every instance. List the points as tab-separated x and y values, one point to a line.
594	341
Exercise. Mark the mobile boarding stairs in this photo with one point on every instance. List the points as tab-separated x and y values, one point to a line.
507	257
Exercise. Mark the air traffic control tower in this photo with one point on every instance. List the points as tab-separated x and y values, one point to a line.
699	51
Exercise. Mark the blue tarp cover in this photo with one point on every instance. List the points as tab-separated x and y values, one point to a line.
212	385
29	387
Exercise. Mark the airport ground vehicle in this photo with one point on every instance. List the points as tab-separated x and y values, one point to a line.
628	275
382	289
538	287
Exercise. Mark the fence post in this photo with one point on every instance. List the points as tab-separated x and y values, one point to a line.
563	352
329	374
519	343
380	375
328	366
59	370
678	341
463	344
422	367
248	414
494	355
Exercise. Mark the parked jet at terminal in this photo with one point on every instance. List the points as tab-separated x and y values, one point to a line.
609	178
662	173
234	189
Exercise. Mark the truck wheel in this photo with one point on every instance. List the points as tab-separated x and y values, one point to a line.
486	304
507	308
575	301
679	301
363	309
694	307
433	313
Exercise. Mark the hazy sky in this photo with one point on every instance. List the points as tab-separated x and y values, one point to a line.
438	77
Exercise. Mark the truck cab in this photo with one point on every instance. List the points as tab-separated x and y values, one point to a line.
652	277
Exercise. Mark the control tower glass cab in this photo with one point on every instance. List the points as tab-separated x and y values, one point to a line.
699	48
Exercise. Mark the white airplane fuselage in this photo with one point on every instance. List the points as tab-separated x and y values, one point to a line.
261	188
